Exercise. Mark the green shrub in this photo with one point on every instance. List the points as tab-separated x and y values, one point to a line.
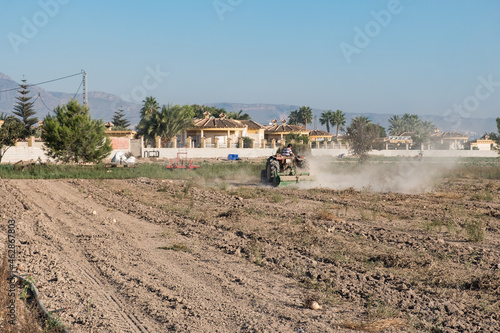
247	142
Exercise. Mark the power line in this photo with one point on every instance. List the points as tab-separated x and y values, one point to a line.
40	96
61	78
40	83
81	83
1	91
36	99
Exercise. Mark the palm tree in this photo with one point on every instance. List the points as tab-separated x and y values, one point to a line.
149	107
306	115
428	126
169	122
421	136
422	133
360	120
238	115
301	116
326	118
338	119
294	117
411	122
396	126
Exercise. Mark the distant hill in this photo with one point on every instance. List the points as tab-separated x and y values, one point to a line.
265	113
102	105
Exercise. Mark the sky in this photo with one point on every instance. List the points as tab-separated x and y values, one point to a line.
389	56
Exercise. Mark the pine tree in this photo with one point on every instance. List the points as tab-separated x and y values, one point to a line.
119	121
72	136
24	109
11	130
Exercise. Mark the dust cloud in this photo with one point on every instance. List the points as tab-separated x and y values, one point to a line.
406	175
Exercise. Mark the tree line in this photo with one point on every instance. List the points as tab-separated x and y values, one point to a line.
71	135
169	120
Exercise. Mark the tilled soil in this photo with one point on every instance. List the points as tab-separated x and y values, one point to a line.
152	255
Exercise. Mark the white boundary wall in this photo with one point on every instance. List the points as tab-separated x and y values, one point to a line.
15	154
437	153
264	152
210	152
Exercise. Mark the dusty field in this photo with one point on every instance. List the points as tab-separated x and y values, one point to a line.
156	256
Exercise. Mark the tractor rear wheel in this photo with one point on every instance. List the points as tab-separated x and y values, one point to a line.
303	164
275	168
272	168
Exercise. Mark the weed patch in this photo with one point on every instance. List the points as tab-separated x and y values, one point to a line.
177	247
277	197
482	196
475	230
325	214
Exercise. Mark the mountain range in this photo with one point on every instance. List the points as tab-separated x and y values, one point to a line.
265	113
103	105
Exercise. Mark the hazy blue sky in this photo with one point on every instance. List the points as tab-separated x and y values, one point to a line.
393	56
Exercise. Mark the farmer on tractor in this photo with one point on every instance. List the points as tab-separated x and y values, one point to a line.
287	151
286	168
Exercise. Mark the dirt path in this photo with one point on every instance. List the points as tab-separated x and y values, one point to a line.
108	268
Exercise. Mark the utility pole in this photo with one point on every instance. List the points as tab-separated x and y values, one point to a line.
85	97
315	122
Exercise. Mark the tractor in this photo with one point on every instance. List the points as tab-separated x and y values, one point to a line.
285	170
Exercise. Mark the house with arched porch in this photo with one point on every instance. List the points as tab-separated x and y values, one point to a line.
319	138
211	132
278	132
449	140
255	131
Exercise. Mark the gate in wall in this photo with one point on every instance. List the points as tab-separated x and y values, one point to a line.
136	147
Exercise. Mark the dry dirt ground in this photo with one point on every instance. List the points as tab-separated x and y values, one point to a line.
152	255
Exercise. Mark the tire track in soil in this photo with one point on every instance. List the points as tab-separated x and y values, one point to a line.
62	213
201	279
127	321
244	297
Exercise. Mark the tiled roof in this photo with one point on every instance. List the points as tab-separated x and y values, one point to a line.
252	124
217	123
449	135
284	128
319	133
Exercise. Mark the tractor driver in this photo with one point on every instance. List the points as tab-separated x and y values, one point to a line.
287	151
